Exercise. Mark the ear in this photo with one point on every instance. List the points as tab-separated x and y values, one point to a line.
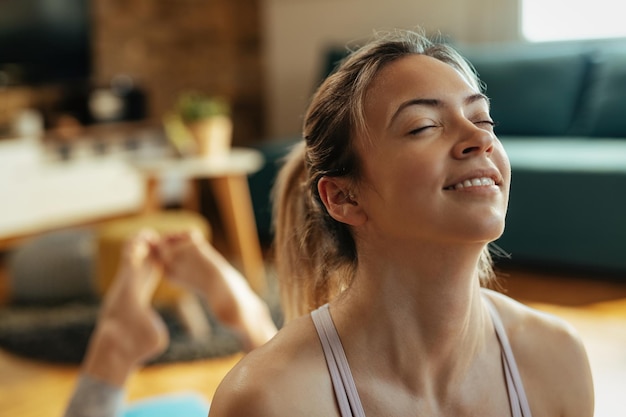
340	203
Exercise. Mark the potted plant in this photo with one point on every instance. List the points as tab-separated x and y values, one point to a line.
207	119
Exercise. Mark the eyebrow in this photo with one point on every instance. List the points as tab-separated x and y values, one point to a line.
433	102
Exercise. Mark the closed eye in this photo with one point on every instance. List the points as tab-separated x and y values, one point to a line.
420	130
489	124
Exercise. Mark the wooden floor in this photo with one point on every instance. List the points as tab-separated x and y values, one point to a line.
29	388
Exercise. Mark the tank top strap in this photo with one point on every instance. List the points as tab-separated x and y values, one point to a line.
337	362
343	383
515	387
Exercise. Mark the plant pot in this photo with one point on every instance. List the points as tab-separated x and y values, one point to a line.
213	136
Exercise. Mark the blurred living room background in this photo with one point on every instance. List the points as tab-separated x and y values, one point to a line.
88	89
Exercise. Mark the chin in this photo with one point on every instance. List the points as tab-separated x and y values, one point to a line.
487	233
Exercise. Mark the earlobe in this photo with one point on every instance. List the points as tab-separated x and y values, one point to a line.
340	203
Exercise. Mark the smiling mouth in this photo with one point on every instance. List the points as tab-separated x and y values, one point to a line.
472	182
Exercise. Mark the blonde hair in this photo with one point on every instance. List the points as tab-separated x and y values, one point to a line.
316	255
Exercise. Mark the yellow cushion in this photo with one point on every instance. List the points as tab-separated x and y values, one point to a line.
112	235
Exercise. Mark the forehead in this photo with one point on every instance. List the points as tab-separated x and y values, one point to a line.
414	76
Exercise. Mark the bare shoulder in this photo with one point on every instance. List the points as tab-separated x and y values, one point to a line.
285	377
551	358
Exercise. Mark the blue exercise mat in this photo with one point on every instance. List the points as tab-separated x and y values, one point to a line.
187	404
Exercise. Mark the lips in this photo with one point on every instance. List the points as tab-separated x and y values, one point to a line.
473	182
479	178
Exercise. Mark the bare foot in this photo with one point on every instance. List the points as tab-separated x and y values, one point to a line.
129	331
192	262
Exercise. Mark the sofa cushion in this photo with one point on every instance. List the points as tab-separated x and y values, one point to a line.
602	110
531	92
566	208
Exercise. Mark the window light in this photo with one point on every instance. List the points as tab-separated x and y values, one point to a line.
549	20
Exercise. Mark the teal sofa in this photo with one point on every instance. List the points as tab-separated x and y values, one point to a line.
560	110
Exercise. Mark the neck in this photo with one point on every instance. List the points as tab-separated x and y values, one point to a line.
426	309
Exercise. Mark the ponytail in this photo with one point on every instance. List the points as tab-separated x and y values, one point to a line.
309	270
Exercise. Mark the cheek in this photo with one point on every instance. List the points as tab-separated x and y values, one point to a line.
396	184
402	175
501	160
415	184
425	171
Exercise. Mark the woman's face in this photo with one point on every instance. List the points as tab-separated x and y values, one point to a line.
432	167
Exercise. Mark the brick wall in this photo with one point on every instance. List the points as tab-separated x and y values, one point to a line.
169	46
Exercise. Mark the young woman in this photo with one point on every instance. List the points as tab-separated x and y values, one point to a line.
384	216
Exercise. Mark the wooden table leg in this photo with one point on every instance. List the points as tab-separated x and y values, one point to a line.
232	195
152	198
191	200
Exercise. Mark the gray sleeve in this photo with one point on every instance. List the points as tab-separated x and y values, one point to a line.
95	398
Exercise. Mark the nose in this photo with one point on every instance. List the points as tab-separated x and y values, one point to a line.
473	140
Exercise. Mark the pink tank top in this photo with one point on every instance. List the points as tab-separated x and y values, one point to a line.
345	388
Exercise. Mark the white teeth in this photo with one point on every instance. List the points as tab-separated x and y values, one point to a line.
474	182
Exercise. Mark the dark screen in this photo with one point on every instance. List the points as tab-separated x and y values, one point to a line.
44	41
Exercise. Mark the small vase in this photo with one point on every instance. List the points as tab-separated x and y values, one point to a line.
213	135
